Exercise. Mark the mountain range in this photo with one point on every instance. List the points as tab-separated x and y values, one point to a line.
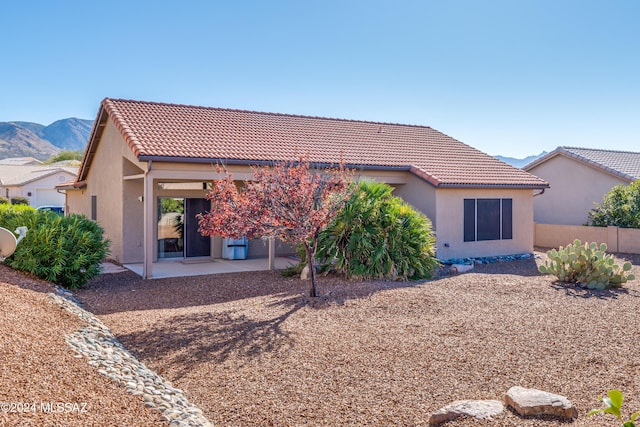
520	163
26	139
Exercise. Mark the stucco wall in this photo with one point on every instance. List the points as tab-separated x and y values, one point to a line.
575	187
450	220
625	240
419	194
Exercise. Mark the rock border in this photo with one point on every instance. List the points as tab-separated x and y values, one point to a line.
97	343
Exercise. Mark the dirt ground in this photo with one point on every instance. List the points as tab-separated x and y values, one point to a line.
249	349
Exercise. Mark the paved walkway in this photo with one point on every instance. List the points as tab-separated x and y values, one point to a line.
204	266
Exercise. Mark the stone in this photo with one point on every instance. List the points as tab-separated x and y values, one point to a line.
304	274
529	402
461	268
478	409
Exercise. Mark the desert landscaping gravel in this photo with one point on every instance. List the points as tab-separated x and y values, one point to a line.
250	349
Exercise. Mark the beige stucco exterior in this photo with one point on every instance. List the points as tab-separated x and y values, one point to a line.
575	187
450	219
126	192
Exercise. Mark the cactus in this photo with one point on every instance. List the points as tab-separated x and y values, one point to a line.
587	265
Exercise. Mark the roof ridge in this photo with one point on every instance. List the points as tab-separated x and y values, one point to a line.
599	149
268	113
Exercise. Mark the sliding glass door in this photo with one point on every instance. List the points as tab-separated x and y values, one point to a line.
178	235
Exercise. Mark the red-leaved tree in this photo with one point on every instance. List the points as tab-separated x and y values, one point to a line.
289	201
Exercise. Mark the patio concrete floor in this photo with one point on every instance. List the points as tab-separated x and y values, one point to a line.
203	266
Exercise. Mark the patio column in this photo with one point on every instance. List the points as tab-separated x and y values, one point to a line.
148	202
272	253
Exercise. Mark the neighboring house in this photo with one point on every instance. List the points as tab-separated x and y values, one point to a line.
146	167
37	183
20	161
579	178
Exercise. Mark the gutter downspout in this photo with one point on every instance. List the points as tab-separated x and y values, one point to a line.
147	206
540	193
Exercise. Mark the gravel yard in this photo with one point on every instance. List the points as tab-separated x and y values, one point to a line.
250	350
38	369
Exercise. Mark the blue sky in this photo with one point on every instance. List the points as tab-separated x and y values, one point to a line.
507	77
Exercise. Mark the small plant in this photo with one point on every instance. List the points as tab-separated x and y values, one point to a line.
4	200
613	405
587	265
19	200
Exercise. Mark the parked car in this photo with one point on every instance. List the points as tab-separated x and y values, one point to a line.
56	209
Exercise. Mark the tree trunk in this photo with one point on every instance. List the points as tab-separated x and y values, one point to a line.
312	270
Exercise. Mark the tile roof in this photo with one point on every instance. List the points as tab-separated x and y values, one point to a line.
625	164
15	175
157	131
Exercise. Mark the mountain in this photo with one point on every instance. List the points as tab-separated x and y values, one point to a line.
26	139
69	134
520	163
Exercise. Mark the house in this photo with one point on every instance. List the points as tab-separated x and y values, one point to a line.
37	183
147	166
20	161
579	178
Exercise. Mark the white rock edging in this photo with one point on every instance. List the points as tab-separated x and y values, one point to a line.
108	355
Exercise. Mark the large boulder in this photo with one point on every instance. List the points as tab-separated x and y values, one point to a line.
478	409
531	402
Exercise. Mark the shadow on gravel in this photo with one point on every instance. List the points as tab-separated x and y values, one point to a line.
122	292
578	292
183	342
524	267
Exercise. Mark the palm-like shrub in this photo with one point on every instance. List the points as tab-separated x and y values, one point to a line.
379	236
66	250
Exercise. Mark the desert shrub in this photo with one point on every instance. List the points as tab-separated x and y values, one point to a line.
4	200
587	265
620	207
19	200
66	250
16	208
379	236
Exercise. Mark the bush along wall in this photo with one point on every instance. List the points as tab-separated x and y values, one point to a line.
379	236
65	250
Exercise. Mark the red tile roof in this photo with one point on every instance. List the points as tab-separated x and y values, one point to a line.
169	132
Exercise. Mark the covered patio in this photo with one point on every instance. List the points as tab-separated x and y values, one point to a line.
207	265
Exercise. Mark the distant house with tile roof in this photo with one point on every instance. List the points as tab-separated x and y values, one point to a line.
140	154
20	161
37	183
579	178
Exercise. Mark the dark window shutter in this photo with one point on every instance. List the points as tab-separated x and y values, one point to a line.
507	219
469	220
94	208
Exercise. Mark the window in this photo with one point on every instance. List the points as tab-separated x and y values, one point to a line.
487	219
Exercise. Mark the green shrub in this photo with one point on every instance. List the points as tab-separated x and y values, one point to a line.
379	236
4	200
19	200
66	250
16	208
587	265
620	207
